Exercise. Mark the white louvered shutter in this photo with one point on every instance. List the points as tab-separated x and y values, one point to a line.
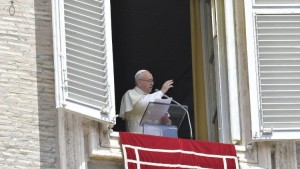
273	46
84	62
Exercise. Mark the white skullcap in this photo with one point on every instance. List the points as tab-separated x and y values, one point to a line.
139	73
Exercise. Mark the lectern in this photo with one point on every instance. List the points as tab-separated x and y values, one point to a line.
163	119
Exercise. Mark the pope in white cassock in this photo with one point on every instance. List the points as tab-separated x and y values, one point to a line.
134	101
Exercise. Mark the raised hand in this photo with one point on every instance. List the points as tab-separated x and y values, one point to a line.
166	86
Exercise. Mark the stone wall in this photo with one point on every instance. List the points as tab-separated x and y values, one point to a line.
28	132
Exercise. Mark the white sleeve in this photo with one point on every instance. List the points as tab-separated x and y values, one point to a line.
151	97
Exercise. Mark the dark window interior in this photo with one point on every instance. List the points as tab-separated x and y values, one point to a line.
153	35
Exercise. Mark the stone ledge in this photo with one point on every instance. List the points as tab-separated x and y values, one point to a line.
107	154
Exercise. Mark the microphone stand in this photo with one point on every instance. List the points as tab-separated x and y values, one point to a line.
188	116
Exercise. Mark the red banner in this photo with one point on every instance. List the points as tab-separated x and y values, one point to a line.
141	151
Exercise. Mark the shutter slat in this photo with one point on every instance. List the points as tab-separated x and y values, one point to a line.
273	93
274	62
83	31
87	81
279	119
290	49
279	43
88	94
281	68
79	36
92	89
267	87
280	106
281	100
275	56
279	74
277	2
88	42
86	56
282	126
282	112
100	51
283	36
86	101
97	70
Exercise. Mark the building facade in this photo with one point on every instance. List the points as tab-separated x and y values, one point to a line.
50	120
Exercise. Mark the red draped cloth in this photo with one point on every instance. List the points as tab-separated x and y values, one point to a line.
141	151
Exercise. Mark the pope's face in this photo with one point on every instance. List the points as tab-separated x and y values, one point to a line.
145	82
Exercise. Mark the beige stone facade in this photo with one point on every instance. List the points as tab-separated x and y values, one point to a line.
28	123
34	134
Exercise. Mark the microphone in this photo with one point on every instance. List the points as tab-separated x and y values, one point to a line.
188	115
166	96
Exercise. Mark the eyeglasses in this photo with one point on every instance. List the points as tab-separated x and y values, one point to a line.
149	81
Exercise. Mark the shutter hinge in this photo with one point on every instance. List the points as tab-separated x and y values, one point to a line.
64	80
267	130
65	76
105	110
64	69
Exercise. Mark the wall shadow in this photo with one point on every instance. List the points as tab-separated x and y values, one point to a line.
47	113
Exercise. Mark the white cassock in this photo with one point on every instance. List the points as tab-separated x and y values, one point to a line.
134	103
